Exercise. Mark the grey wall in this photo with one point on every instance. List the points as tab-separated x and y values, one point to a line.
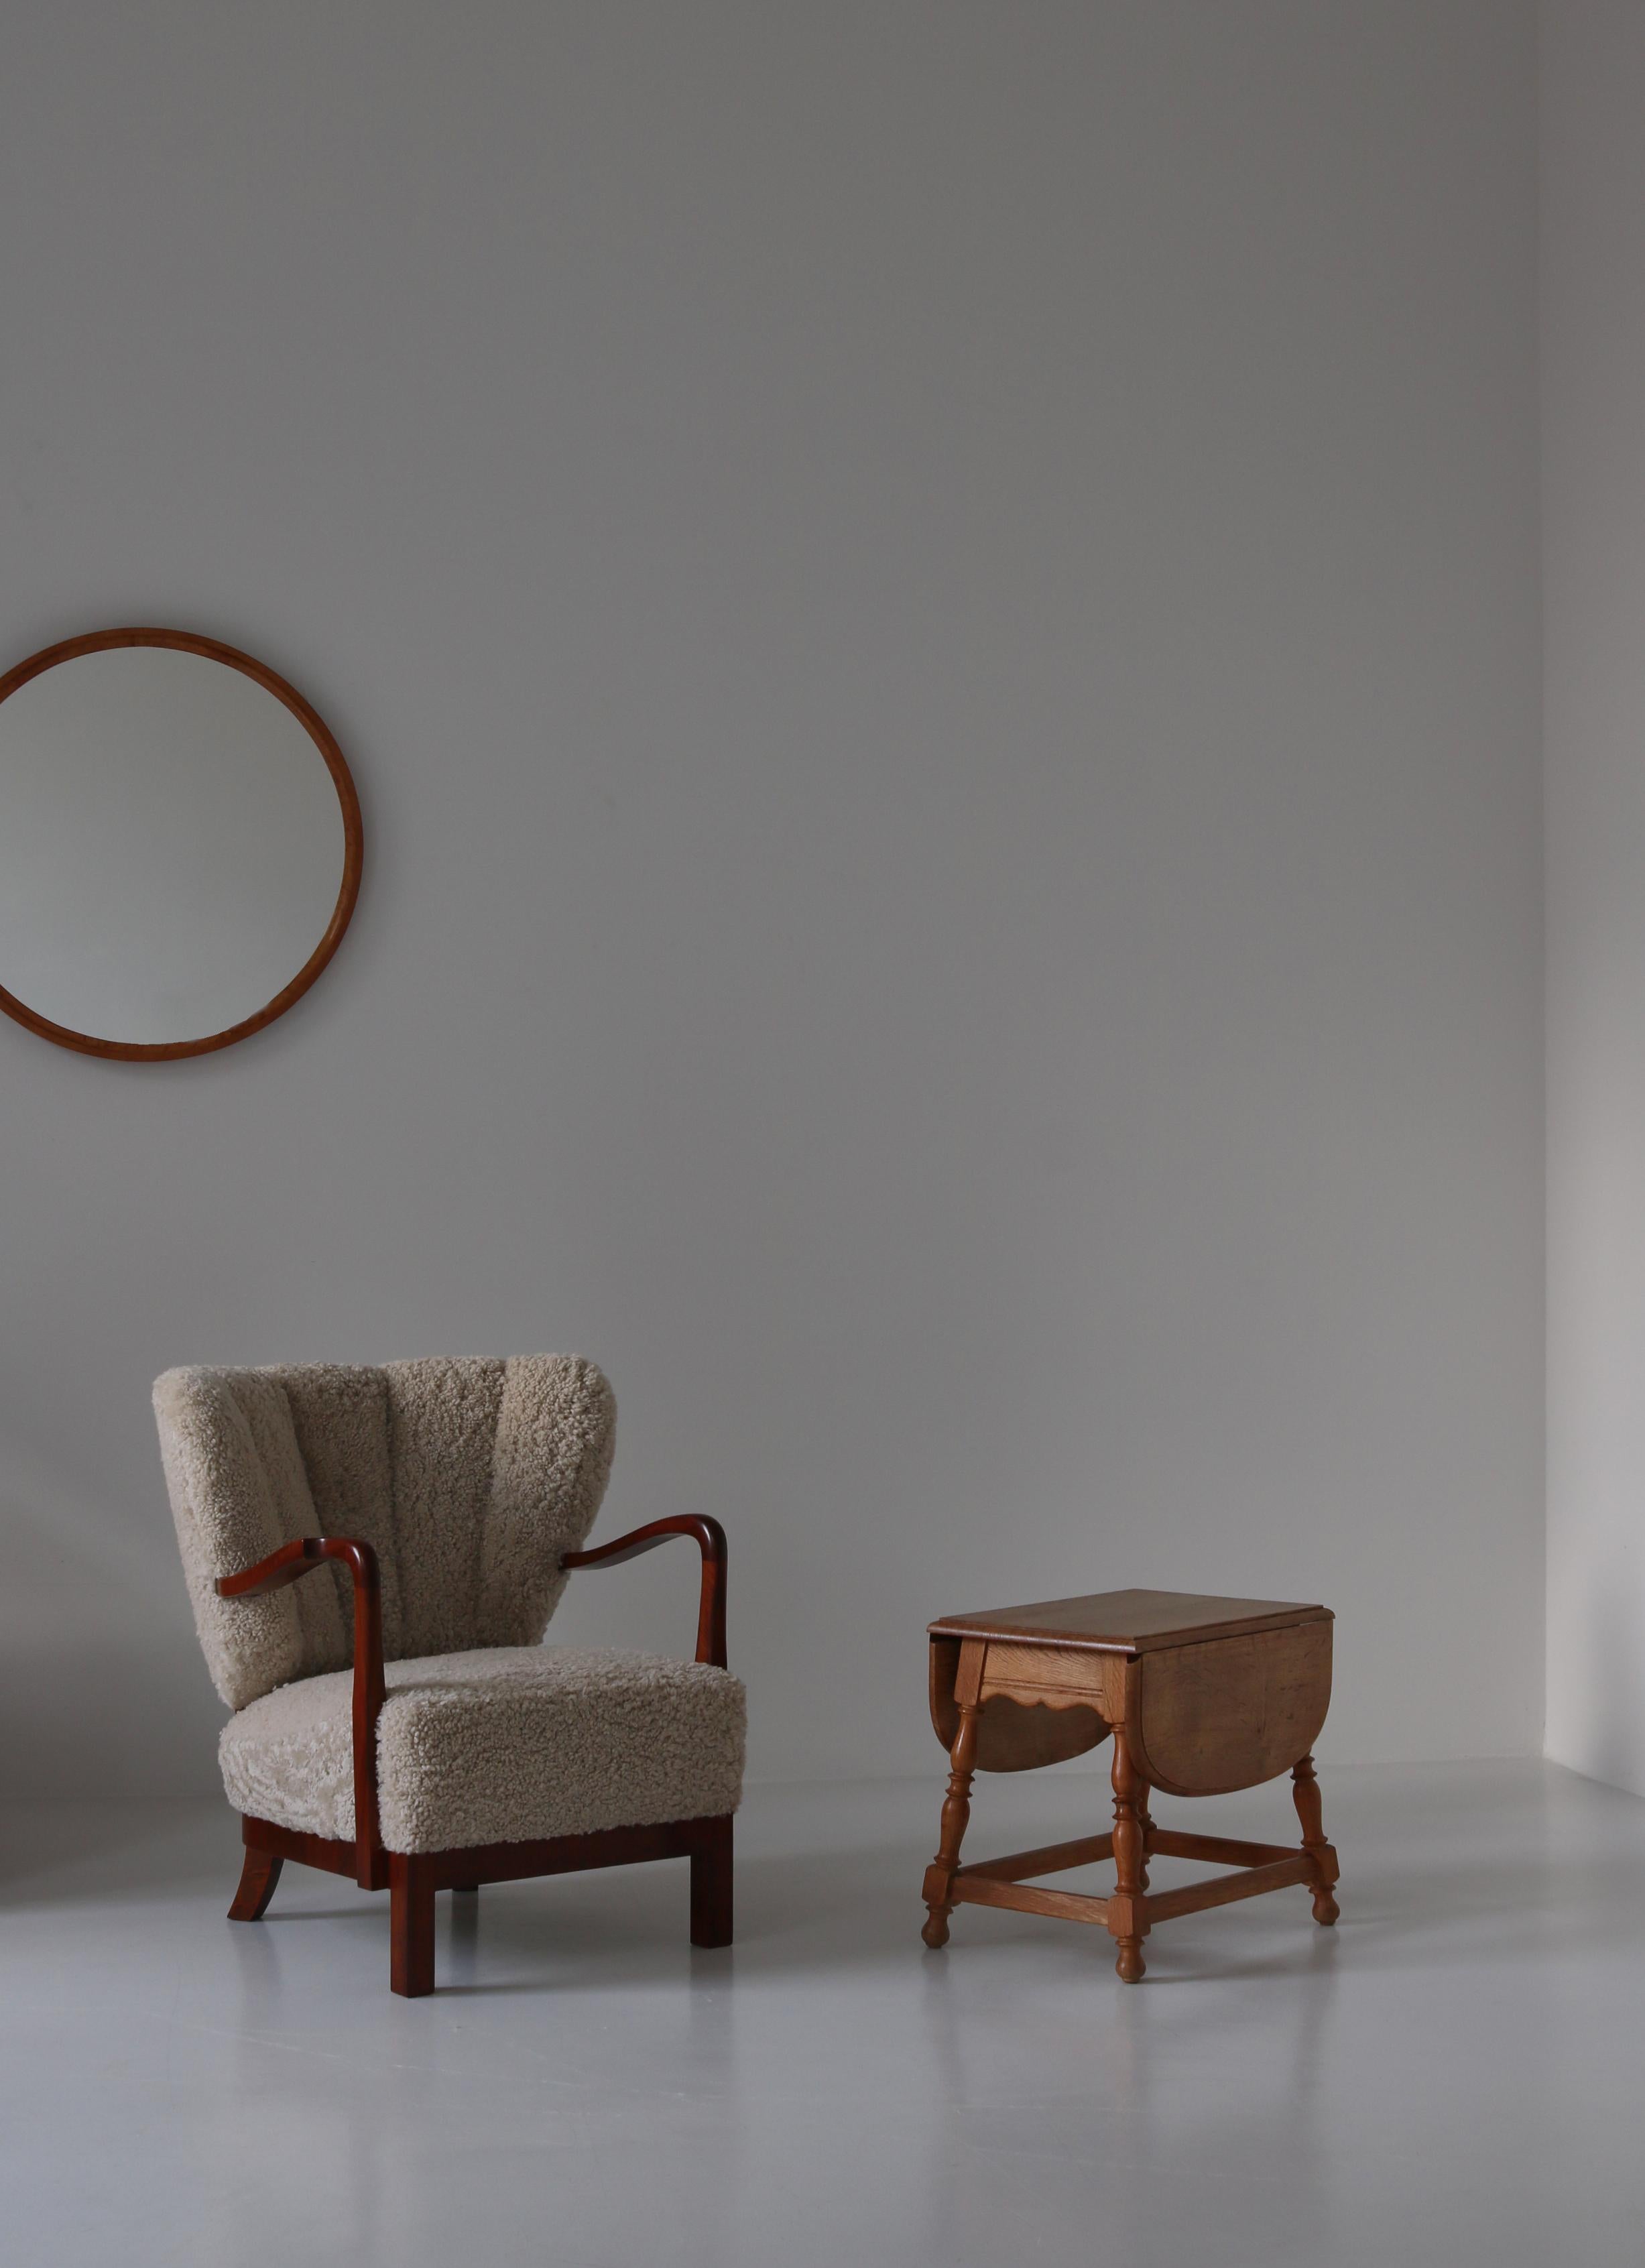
936	609
1594	509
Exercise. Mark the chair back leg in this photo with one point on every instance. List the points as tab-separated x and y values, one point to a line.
258	1876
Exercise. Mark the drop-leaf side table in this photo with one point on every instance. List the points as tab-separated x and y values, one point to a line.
1201	1696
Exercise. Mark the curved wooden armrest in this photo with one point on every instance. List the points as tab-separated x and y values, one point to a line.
711	1541
292	1561
288	1565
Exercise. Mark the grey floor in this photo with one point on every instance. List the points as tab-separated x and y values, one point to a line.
1453	2075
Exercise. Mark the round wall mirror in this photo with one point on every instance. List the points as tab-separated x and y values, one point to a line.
179	844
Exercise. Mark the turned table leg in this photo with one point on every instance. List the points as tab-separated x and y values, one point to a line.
1305	1789
939	1875
1127	1917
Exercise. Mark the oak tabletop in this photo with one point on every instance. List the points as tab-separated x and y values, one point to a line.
1130	1622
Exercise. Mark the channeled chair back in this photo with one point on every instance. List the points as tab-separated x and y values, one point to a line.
470	1478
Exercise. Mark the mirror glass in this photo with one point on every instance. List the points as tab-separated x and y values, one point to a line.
179	842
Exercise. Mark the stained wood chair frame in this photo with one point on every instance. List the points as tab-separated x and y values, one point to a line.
413	1879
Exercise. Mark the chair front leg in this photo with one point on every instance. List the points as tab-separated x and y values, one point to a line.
410	1924
711	1884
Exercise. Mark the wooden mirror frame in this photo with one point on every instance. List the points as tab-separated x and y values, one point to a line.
314	725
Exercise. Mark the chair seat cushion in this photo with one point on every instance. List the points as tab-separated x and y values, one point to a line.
505	1744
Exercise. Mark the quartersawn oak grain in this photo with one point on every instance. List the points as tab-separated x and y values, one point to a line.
1233	1712
1016	1733
1129	1622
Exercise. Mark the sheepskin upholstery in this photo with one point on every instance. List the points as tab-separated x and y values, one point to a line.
470	1479
502	1744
